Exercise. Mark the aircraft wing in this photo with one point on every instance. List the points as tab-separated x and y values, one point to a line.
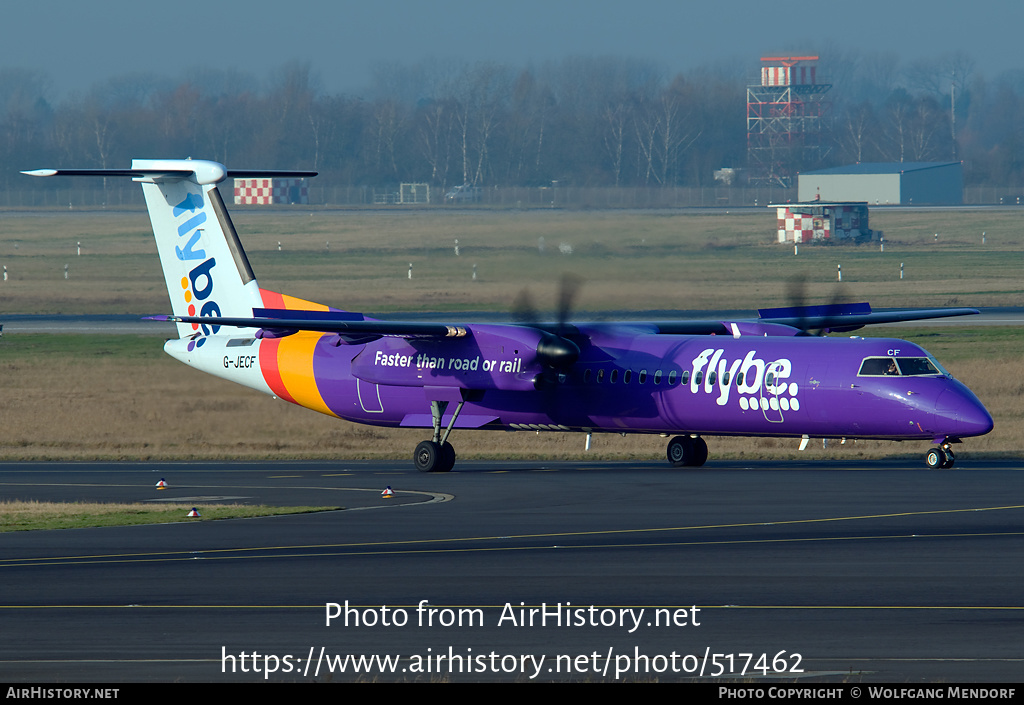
794	320
403	329
841	318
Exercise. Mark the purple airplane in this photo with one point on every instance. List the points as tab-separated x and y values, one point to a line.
687	379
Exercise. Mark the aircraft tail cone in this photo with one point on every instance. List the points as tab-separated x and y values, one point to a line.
388	493
161	485
194	513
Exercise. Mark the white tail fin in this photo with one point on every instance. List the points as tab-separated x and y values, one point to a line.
205	267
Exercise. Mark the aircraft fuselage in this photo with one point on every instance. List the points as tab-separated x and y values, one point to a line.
623	381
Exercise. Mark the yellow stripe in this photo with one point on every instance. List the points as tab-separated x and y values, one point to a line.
295	363
295	303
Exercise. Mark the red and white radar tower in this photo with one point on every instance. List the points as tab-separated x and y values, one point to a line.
787	120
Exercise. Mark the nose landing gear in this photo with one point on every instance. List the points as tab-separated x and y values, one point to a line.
941	457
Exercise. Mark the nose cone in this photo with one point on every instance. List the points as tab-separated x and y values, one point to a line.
960	409
974	420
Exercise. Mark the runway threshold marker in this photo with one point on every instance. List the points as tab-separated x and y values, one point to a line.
388	493
194	513
161	485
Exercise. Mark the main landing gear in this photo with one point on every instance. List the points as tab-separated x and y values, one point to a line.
431	456
437	455
687	451
941	457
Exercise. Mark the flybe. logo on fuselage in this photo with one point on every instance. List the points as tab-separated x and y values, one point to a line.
198	285
758	384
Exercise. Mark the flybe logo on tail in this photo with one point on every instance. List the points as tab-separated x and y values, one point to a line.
190	251
191	203
198	285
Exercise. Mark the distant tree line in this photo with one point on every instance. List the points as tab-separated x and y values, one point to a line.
590	121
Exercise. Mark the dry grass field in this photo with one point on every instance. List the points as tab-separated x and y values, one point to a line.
120	397
359	260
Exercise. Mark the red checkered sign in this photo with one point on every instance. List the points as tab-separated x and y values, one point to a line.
801	227
271	191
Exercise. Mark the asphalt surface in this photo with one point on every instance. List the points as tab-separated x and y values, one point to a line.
879	571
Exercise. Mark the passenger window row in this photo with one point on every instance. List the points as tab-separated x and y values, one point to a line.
603	376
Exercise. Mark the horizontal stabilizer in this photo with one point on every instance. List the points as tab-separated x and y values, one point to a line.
161	170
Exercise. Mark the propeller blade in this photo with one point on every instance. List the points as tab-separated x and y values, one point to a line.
796	291
567	290
554	350
523	310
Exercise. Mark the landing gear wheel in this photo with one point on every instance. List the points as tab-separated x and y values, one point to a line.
684	451
428	456
447	457
437	455
680	450
950	459
700	452
434	457
936	458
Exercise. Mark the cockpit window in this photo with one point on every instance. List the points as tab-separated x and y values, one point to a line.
916	366
896	367
942	370
877	367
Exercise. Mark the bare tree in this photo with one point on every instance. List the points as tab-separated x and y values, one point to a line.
858	125
896	125
436	130
616	119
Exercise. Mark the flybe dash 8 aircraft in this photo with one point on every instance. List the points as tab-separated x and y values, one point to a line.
682	379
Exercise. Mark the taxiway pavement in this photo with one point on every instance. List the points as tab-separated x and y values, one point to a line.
872	570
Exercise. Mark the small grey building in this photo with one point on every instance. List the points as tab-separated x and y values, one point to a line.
886	183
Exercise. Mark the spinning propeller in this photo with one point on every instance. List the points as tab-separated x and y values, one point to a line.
555	351
809	320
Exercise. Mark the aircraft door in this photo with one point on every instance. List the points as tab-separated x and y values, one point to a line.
369	397
770	391
819	384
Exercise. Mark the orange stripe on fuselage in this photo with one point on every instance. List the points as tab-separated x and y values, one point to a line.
295	371
269	367
287	363
272	299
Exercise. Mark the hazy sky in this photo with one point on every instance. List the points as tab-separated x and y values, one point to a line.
79	43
